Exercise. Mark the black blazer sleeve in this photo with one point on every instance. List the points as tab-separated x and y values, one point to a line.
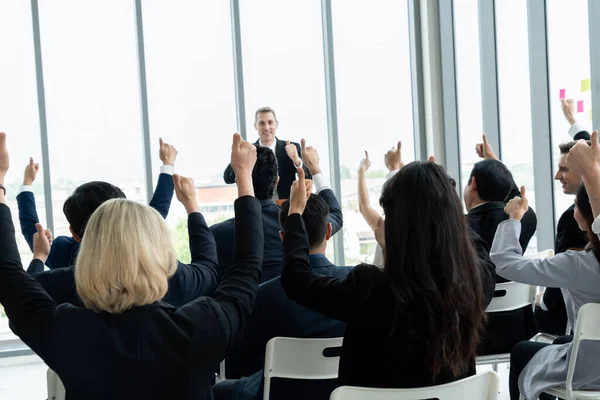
585	135
229	175
200	277
219	321
28	307
333	297
163	194
486	267
335	210
568	234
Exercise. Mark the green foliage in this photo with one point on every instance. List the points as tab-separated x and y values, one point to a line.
181	241
376	174
345	172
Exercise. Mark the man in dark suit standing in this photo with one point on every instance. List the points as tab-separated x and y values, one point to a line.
550	311
276	315
288	153
491	186
265	181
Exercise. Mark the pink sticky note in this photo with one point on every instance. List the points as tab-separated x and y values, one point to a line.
562	93
580	106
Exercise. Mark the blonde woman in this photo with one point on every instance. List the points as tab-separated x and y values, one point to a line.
125	343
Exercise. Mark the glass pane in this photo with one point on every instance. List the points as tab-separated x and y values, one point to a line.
19	115
515	98
372	66
283	68
191	100
468	82
92	98
569	65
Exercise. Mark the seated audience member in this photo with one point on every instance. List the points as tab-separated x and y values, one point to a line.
81	204
266	180
418	321
550	310
538	366
125	343
275	315
288	153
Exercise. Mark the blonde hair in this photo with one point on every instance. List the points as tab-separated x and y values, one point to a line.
125	259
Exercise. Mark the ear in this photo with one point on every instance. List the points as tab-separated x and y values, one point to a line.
281	235
473	184
276	182
329	232
75	236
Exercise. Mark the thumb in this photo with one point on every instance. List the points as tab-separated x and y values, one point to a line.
40	229
523	194
594	138
287	143
431	159
302	144
485	142
160	141
300	176
366	155
237	139
31	161
399	148
2	139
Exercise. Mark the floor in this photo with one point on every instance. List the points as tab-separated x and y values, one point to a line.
24	378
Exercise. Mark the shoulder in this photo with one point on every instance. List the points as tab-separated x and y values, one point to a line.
222	227
64	242
335	271
366	274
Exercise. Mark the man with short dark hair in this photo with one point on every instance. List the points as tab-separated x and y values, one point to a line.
266	180
276	315
288	153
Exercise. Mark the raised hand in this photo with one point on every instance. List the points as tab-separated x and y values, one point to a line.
431	159
583	159
393	158
518	206
298	194
292	153
42	240
568	109
485	150
31	171
185	190
167	153
365	163
4	157
243	158
310	157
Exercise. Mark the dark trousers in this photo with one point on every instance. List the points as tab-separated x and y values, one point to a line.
520	355
223	390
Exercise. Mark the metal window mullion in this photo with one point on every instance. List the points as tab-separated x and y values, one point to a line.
489	73
417	79
594	35
41	97
238	70
141	57
450	94
541	122
332	124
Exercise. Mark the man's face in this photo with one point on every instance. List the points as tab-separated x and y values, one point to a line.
266	126
570	180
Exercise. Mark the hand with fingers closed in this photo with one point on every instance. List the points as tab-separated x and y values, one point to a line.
393	158
518	206
30	173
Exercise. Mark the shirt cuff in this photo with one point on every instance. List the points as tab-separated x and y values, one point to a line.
167	169
575	129
596	225
25	188
301	164
391	174
542	304
320	183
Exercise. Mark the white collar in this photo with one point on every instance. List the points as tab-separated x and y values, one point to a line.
272	146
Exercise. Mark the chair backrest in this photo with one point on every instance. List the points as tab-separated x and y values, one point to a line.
479	387
56	390
511	296
300	359
542	254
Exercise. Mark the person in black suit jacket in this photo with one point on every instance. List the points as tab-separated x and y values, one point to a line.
275	315
417	322
550	310
491	186
126	344
266	180
288	153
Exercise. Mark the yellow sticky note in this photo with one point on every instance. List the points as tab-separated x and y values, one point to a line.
586	85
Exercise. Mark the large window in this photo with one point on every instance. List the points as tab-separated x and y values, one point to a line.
372	66
282	49
569	71
514	96
92	98
19	114
468	82
191	100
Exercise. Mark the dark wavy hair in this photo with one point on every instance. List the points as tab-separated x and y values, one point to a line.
582	202
431	263
265	173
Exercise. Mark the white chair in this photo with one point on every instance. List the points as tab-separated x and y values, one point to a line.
511	296
56	389
479	387
588	328
299	359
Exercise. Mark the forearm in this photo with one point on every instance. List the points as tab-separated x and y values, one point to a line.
364	204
